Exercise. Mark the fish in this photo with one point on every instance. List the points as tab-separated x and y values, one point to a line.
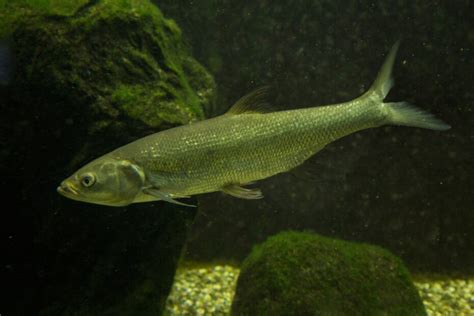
228	152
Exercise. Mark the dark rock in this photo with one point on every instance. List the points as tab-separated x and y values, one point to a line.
295	273
89	77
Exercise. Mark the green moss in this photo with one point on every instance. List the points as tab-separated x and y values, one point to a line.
13	11
297	273
116	62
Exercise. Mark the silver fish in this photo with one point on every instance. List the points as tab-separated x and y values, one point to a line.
242	146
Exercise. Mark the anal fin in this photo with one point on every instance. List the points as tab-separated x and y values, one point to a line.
242	193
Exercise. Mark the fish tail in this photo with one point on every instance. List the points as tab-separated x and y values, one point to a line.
384	81
400	113
404	113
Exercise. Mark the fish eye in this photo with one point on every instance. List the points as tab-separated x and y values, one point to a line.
88	180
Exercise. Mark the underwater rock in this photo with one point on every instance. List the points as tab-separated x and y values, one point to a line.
300	273
112	65
91	76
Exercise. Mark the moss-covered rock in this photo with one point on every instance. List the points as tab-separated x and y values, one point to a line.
110	63
90	76
295	273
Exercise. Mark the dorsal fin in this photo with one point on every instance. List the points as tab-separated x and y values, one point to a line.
254	102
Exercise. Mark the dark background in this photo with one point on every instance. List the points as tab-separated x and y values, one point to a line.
407	189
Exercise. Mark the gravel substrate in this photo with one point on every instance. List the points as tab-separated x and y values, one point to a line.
448	297
203	291
209	291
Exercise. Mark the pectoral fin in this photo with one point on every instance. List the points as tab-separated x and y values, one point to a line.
242	193
168	197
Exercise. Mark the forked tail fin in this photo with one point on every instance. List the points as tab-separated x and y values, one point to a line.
403	113
384	81
400	113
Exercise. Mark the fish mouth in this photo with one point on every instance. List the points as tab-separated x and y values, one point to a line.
67	190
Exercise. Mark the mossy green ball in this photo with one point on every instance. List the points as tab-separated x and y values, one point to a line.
301	273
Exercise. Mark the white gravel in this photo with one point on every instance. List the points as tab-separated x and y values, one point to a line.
448	297
203	291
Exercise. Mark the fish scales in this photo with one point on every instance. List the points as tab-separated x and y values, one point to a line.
205	156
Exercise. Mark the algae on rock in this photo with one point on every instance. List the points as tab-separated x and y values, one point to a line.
112	62
296	273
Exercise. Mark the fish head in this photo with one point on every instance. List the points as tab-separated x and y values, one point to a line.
105	181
